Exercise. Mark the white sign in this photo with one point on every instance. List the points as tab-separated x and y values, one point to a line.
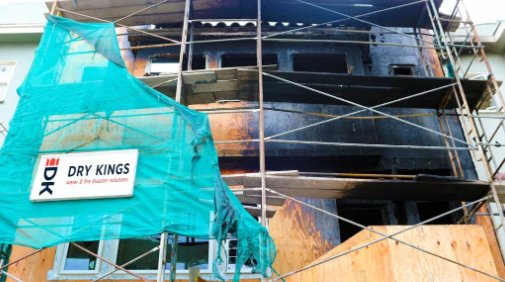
90	175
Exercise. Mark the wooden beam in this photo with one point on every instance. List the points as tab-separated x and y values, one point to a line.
353	188
220	85
199	77
238	179
251	199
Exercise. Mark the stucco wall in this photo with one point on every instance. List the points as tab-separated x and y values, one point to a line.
22	54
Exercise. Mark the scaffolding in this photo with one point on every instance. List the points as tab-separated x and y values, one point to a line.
480	140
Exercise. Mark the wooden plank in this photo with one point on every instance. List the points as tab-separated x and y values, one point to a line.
200	98
219	85
199	77
33	268
256	200
354	188
392	261
247	75
299	237
226	73
365	90
155	80
488	227
238	179
226	95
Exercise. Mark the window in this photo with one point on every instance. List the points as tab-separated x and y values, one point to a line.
190	252
428	210
332	63
71	263
402	69
365	214
76	259
6	71
241	60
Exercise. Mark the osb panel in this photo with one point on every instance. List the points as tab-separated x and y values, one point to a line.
231	126
485	222
35	267
297	237
388	260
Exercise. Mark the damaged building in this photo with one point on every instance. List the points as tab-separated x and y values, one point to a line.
349	128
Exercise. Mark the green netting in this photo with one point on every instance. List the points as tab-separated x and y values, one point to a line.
79	97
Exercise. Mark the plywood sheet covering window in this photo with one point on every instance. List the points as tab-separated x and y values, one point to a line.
392	261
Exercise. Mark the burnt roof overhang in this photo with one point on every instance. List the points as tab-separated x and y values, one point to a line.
391	13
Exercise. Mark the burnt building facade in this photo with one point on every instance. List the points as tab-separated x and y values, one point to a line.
354	108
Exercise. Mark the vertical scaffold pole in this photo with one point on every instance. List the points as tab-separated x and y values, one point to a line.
467	111
182	51
173	257
162	257
259	59
259	53
178	94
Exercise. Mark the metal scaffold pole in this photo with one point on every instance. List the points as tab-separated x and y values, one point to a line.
472	134
162	257
259	53
178	95
259	58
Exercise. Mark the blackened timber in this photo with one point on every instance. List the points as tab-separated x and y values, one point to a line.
242	84
371	189
251	199
171	12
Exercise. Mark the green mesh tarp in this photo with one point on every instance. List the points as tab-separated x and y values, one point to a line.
79	97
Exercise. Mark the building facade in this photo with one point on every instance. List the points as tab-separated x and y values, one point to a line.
391	157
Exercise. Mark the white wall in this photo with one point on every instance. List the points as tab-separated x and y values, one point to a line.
497	62
21	23
22	54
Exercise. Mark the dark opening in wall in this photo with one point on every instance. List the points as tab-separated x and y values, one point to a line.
428	210
402	69
240	60
197	62
365	214
333	63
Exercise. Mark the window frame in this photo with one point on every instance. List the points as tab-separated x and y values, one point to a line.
93	271
394	67
8	81
108	249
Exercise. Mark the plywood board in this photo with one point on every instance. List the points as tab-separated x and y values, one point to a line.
220	85
389	260
298	236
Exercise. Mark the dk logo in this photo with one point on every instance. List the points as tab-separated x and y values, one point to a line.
49	173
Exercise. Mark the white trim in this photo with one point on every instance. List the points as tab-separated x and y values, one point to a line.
108	250
7	82
21	29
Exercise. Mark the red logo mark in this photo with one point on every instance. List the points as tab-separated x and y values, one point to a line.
52	162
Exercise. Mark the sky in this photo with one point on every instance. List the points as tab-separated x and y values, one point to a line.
481	11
